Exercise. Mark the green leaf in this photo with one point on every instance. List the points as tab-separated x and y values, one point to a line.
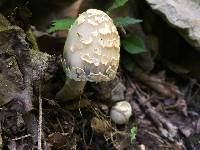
63	24
133	134
125	21
133	45
117	4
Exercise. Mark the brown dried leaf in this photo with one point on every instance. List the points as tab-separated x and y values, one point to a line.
57	139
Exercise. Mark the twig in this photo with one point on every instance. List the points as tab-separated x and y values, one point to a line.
1	140
91	138
164	88
166	128
21	137
83	126
60	125
40	121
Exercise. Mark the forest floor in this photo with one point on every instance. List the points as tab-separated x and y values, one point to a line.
164	95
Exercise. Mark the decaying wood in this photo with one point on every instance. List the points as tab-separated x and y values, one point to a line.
21	50
29	66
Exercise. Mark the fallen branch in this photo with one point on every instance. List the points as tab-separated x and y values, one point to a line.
167	129
154	82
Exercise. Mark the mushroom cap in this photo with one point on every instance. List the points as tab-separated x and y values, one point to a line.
121	112
92	48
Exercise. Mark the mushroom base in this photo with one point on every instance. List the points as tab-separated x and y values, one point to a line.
71	89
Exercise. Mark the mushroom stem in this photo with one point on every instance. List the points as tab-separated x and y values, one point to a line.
71	89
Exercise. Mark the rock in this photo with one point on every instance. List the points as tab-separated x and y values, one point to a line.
111	91
118	92
183	15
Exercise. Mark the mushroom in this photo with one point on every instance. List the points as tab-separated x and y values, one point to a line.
91	52
121	112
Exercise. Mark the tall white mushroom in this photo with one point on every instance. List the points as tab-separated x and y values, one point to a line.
91	52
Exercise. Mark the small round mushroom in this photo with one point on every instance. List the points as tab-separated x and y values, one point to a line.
91	52
121	112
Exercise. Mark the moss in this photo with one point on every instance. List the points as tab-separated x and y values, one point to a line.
3	21
31	38
13	67
6	26
39	62
5	29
